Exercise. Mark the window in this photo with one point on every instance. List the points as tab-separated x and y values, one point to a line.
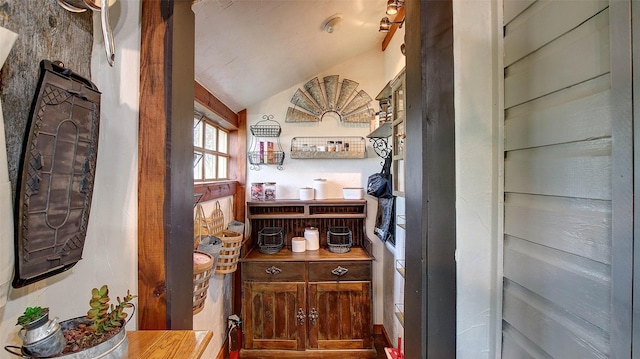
210	151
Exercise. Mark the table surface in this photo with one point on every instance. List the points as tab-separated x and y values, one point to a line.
177	344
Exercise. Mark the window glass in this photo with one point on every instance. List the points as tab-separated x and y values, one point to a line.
197	132
210	137
222	167
210	151
197	166
209	166
222	141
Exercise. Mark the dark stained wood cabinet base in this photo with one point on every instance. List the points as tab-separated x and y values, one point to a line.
310	354
315	304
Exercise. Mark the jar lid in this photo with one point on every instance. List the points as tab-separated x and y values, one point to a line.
320	179
269	183
256	183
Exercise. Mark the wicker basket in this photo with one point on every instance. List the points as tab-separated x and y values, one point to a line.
339	239
202	268
230	252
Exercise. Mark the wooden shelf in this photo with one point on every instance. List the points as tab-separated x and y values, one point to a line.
399	312
400	267
383	131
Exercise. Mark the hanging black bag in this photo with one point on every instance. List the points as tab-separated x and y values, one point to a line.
379	184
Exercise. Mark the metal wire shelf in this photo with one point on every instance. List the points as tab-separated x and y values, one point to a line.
317	147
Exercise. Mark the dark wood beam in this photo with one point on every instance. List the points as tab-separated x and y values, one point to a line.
211	103
165	171
399	18
430	284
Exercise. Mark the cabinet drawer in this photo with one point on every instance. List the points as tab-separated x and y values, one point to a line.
273	271
333	271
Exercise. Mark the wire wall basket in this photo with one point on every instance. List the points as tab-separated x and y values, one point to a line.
334	147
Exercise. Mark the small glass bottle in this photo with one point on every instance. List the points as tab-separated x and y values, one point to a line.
339	146
331	146
346	146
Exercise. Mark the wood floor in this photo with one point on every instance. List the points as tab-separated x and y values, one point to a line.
379	341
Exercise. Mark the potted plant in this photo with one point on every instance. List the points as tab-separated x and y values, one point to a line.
33	316
98	334
102	323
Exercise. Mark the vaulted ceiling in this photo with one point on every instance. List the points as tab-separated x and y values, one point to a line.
249	50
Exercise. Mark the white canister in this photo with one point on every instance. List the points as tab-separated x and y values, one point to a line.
298	244
306	194
312	238
320	187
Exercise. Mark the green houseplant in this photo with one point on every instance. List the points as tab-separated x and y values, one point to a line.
32	315
103	321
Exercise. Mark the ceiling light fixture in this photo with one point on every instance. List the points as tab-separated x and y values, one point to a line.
385	24
393	6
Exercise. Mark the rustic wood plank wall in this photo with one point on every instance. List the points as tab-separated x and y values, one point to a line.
45	32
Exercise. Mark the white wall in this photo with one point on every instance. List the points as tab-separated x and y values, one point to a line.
367	70
477	173
393	292
217	307
110	252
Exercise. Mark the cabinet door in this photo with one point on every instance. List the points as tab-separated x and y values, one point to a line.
270	315
339	315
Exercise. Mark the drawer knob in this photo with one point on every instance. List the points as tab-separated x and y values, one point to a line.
273	270
301	316
339	271
313	315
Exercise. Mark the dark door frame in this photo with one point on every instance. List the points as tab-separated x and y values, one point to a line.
165	173
430	284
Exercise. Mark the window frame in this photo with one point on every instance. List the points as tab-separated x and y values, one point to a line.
204	121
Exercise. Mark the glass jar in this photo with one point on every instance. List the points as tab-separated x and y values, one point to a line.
339	147
257	191
331	146
346	146
269	191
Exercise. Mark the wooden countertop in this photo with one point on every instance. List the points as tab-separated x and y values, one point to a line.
174	344
322	254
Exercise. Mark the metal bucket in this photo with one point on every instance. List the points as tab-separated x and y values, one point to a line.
113	348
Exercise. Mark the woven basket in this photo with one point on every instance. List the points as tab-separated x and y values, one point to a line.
202	268
230	252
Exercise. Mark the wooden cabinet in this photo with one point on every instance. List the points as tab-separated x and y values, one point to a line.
314	304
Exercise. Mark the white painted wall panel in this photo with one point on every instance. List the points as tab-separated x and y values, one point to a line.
557	180
513	8
581	169
518	346
579	113
577	285
555	331
578	226
578	56
549	18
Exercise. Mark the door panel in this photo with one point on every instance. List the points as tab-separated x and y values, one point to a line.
343	315
271	315
559	169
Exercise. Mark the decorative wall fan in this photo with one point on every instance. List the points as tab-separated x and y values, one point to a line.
318	98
